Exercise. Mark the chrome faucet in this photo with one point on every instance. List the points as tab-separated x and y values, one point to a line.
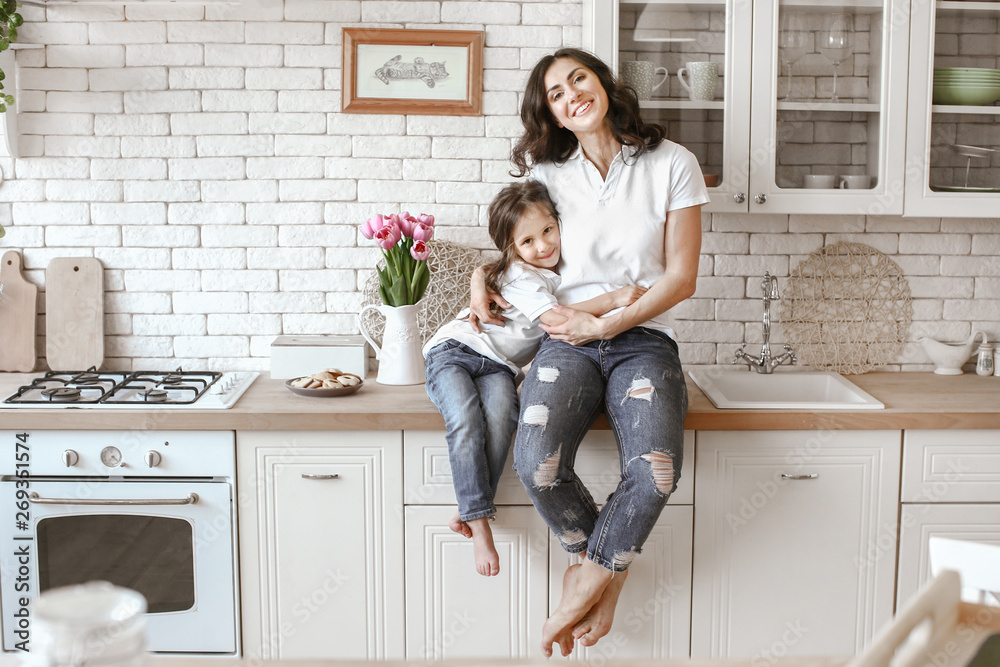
764	363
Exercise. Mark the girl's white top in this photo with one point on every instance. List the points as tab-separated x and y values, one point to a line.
613	229
531	292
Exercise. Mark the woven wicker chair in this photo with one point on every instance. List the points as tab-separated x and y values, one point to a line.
451	266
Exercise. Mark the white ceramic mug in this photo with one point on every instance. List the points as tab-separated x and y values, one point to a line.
819	181
703	77
639	74
855	182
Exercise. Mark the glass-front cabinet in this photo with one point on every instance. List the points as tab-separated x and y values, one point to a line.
953	151
791	106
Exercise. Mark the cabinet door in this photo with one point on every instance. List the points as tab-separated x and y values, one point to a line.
653	617
788	541
714	126
453	612
953	142
920	522
321	530
825	111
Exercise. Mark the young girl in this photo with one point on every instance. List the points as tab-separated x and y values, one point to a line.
472	377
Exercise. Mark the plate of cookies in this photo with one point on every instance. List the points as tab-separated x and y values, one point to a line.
326	384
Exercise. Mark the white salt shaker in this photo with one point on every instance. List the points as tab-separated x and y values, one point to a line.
984	361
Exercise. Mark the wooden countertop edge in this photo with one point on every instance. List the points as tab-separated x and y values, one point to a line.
913	401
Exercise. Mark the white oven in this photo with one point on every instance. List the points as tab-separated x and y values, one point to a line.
148	510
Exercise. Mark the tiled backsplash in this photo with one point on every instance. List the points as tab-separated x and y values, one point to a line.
197	151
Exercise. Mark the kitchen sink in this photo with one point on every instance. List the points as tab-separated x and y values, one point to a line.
792	390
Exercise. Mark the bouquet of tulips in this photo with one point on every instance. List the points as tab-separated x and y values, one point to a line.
403	239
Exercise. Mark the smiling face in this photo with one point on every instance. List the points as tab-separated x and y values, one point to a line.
536	238
575	96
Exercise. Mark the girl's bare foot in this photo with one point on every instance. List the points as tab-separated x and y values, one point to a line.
583	586
458	526
487	558
597	622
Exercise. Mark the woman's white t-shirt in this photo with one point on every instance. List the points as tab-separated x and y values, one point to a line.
531	292
613	229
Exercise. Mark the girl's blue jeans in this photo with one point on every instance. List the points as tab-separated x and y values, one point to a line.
477	397
636	378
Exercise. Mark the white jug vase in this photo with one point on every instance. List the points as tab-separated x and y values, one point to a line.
400	358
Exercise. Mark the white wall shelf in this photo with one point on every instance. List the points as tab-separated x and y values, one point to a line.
681	104
956	108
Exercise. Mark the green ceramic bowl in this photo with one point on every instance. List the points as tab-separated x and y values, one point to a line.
966	95
965	70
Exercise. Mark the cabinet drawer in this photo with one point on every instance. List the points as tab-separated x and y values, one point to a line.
427	472
951	466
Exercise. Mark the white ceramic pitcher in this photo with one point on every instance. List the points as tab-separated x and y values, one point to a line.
400	358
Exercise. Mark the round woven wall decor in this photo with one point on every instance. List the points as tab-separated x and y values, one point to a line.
846	308
451	266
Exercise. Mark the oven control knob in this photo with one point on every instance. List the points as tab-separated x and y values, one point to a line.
70	458
112	457
152	458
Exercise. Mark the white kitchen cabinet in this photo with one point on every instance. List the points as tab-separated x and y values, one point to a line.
321	544
974	522
454	612
446	614
953	151
951	488
760	144
794	541
653	617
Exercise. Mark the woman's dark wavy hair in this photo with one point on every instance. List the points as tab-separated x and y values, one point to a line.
544	141
505	211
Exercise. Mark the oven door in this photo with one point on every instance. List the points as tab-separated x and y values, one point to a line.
170	540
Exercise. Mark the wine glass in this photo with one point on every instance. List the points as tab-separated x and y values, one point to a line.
836	42
794	40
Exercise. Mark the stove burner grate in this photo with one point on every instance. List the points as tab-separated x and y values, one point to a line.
62	393
177	387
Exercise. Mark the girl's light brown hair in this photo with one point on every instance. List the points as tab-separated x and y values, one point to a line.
544	141
504	212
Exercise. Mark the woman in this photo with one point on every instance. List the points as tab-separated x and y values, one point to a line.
630	205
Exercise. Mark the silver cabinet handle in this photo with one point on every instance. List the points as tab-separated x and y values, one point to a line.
739	197
309	475
812	475
191	499
760	198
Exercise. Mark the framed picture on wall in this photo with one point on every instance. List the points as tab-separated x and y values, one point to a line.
429	72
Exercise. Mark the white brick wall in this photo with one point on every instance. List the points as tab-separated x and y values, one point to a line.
197	151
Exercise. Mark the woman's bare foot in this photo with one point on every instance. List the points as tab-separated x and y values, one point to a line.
583	586
487	558
597	622
458	526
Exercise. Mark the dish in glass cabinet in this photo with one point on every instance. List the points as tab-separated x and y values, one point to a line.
973	151
961	188
323	392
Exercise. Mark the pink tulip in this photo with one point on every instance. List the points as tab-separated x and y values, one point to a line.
372	225
406	222
422	232
426	218
420	251
388	236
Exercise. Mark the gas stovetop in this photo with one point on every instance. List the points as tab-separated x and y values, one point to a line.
175	390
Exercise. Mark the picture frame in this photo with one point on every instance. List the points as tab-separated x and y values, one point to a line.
424	72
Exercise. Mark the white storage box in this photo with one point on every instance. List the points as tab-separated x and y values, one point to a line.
295	356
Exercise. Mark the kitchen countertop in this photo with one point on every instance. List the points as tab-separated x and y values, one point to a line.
912	400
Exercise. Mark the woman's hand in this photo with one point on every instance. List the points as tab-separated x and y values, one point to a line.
480	300
579	328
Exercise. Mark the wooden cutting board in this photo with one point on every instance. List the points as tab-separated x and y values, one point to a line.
74	313
18	310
